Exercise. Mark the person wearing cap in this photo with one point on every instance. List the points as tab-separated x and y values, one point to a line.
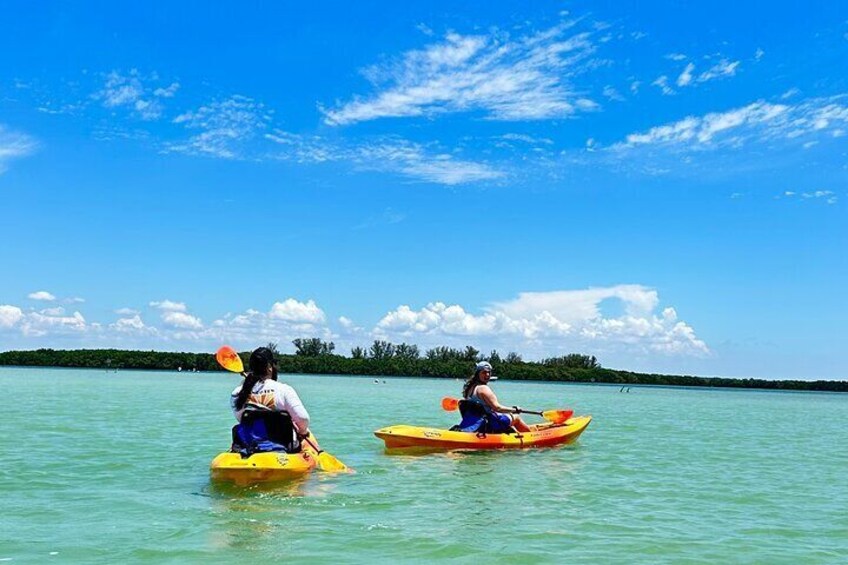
481	411
271	415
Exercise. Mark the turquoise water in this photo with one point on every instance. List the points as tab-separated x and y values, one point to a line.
105	467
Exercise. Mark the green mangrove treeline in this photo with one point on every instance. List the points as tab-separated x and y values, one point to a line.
314	356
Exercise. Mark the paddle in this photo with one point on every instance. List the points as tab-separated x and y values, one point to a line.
556	416
230	360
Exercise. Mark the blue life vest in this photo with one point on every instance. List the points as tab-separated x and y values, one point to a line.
478	417
264	430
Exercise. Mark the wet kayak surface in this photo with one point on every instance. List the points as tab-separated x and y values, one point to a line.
99	467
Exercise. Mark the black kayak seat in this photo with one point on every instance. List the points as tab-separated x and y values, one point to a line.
265	430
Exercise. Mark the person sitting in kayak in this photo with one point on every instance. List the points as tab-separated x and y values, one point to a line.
480	409
270	414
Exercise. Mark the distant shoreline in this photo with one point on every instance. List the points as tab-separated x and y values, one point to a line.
328	364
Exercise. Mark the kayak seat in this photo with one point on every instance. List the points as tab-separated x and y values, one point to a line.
261	431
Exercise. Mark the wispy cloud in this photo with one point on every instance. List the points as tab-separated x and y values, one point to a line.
686	76
389	216
134	92
757	121
826	196
393	155
613	94
168	306
14	145
525	78
126	311
224	126
722	69
662	83
413	160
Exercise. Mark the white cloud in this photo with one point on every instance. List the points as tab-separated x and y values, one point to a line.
49	321
613	94
175	315
757	121
723	68
425	29
133	325
827	196
42	295
10	315
759	54
676	57
168	305
224	127
126	311
56	311
525	78
686	76
130	91
14	145
526	138
290	310
662	84
167	92
37	324
182	320
389	155
557	320
285	321
413	160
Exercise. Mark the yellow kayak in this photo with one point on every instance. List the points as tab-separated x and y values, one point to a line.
263	467
541	435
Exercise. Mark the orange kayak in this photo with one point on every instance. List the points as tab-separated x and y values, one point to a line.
541	435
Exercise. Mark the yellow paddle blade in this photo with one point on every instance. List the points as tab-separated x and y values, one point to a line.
557	416
450	404
229	359
327	462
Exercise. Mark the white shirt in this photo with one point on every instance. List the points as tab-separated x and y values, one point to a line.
274	396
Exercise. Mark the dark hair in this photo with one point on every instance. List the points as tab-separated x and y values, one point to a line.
262	365
471	383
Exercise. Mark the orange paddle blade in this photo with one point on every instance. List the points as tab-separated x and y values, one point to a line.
229	359
450	404
557	416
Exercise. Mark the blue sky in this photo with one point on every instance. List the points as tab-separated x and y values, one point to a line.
660	185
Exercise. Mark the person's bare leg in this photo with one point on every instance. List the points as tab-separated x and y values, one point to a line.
519	425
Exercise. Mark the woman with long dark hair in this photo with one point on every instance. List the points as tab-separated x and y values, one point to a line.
484	413
258	397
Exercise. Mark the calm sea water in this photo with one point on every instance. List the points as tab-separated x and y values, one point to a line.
108	467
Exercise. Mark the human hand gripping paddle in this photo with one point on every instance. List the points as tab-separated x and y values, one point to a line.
556	416
230	360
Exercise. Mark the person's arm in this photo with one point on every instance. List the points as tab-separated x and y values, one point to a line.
488	396
291	403
233	397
